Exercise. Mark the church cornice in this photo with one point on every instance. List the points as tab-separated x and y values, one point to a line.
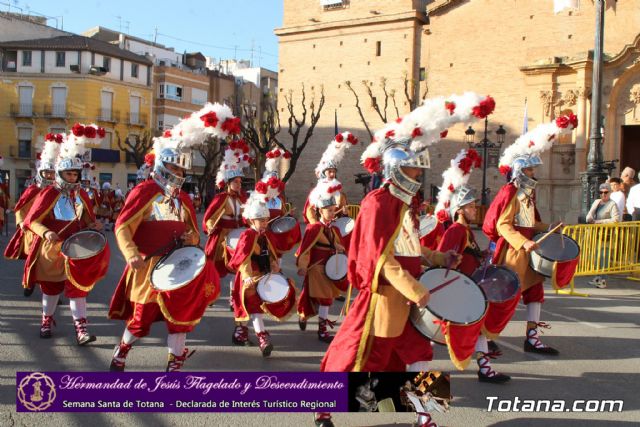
440	6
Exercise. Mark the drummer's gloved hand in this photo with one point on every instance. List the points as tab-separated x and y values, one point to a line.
248	281
339	248
52	236
136	262
530	245
188	238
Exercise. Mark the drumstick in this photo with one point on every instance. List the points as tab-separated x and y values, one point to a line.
548	233
451	263
273	219
447	283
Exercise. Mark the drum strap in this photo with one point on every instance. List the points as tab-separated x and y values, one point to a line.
264	265
173	244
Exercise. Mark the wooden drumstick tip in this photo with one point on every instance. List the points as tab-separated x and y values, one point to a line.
548	233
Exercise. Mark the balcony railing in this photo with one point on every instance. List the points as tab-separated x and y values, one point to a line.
137	119
55	111
21	110
108	115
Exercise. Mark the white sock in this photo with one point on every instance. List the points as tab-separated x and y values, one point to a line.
176	343
422	365
323	312
482	344
49	304
258	323
78	308
128	337
533	311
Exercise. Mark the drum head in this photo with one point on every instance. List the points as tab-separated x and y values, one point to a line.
336	267
345	225
273	288
456	297
234	236
498	283
84	244
283	225
178	269
428	223
557	247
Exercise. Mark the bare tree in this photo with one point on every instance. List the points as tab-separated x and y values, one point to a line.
211	153
261	131
136	145
386	102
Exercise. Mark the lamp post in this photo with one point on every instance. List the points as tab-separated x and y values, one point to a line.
595	173
485	145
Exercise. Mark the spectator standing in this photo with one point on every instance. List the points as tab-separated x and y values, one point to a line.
618	196
603	211
628	181
633	202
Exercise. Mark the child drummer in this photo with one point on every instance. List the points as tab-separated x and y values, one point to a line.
321	241
254	258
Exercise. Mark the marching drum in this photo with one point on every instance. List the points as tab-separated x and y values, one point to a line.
286	233
86	258
233	237
273	288
555	249
178	268
336	267
428	223
498	283
455	298
345	225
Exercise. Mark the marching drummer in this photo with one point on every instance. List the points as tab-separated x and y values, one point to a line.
254	259
457	203
20	243
513	219
59	211
224	213
321	241
157	217
327	170
384	262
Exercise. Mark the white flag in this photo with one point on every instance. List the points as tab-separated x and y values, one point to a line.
560	5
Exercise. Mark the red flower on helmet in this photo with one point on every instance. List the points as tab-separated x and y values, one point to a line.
210	119
78	130
101	132
566	121
485	108
276	153
59	138
352	139
399	120
93	167
372	164
286	155
531	144
231	125
339	138
505	169
273	182
442	215
444	133
150	159
49	137
261	187
389	134
220	184
416	132
90	132
451	188
167	134
451	106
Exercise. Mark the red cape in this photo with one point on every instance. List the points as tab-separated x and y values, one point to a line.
455	238
311	235
376	226
44	202
304	211
14	249
244	248
502	199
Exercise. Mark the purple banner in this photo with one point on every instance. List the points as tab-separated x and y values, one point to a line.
181	392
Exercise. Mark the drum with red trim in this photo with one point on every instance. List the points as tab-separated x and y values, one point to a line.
285	233
455	298
273	288
345	225
86	258
554	250
336	267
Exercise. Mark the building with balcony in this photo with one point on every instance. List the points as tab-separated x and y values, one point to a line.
48	84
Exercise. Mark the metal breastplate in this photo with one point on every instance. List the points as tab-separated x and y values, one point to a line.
65	210
408	241
164	209
526	216
274	203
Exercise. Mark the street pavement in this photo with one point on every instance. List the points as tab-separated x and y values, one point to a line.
598	337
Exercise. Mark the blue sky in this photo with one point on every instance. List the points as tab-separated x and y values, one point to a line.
219	28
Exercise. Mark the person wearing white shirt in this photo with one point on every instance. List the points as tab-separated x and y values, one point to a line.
617	195
633	202
603	211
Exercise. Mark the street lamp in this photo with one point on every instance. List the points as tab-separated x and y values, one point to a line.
487	147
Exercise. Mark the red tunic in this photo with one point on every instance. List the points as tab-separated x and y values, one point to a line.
16	248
